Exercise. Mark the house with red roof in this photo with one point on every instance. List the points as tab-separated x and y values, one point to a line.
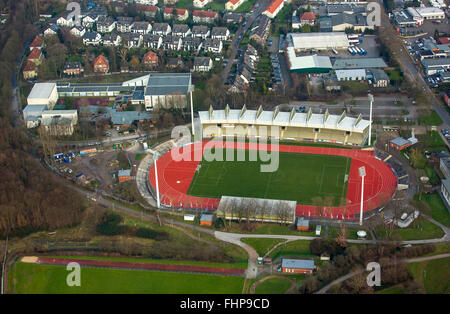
232	5
274	7
36	56
200	16
181	14
29	70
307	18
201	3
101	64
37	43
150	59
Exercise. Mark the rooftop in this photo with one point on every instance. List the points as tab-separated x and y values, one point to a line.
297	263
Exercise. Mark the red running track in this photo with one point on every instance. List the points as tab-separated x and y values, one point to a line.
176	173
143	266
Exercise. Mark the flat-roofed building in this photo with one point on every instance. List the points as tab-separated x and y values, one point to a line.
43	94
297	266
318	41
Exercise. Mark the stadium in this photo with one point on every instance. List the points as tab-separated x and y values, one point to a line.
311	180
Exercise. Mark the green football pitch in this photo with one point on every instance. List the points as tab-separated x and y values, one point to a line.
307	179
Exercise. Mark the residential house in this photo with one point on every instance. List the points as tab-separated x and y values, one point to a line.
141	28
124	24
73	68
173	63
36	56
170	2
101	64
295	20
105	24
29	70
308	18
37	43
150	59
181	14
379	77
274	7
149	10
212	45
112	40
201	3
192	44
232	5
221	33
146	2
152	41
200	31
92	38
202	64
51	30
162	29
172	42
261	31
78	31
233	18
200	16
89	20
181	30
66	21
132	40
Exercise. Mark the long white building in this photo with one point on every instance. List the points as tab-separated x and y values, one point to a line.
291	125
318	41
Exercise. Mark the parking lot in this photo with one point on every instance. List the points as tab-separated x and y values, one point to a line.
277	75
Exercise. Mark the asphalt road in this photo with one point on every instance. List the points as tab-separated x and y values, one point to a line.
241	31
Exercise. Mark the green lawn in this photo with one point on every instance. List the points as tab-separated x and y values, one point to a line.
139	156
45	279
391	290
296	248
246	6
273	286
262	245
433	274
304	178
418	230
431	119
438	210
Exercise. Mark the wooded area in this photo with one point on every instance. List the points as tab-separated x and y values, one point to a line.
30	198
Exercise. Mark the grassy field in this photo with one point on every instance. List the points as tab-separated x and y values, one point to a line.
273	286
304	178
418	230
430	119
32	278
261	245
438	210
433	274
296	248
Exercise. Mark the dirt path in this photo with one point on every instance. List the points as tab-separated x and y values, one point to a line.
257	283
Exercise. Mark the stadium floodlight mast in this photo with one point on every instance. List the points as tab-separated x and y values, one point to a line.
362	174
192	114
155	157
370	117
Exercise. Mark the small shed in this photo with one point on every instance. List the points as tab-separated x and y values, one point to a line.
206	220
302	224
399	143
318	230
189	217
124	175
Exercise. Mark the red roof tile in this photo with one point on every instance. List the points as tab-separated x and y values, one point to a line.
37	42
148	8
200	13
444	40
29	66
35	54
274	5
308	16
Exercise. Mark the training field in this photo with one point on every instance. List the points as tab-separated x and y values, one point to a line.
49	279
305	178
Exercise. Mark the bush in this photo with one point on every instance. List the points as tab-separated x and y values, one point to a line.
152	234
109	224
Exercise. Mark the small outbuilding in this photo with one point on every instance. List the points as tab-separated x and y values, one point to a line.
298	266
206	220
124	175
302	224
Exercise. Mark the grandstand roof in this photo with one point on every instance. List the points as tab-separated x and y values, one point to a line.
280	118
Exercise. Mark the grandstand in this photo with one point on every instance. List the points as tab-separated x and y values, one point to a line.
292	125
